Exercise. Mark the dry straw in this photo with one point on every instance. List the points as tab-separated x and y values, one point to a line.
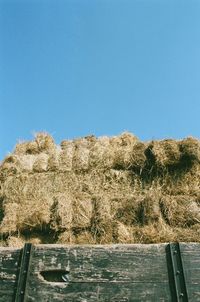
100	190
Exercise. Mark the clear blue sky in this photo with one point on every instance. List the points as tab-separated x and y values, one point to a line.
74	68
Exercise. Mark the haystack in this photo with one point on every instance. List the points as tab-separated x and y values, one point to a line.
100	190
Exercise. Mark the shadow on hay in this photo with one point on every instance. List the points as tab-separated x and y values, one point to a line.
1	210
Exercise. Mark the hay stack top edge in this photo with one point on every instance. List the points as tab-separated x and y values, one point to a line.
100	191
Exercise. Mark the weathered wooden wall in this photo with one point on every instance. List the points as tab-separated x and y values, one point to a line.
104	273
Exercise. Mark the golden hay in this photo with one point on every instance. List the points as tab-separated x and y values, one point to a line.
84	237
81	155
9	166
123	233
122	146
26	148
190	149
180	210
45	142
100	190
66	237
40	163
101	154
166	152
82	210
66	156
53	162
17	242
138	158
61	212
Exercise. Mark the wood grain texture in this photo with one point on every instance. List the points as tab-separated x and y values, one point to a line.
9	259
100	273
191	262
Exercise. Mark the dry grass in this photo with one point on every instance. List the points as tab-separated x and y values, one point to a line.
100	190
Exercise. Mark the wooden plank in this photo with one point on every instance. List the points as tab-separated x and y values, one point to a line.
101	273
115	273
101	292
191	263
9	259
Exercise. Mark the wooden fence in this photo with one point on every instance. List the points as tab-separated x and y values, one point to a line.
102	273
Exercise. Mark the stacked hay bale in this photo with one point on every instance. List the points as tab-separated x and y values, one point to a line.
100	190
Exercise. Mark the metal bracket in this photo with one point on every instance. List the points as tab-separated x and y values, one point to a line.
176	273
23	273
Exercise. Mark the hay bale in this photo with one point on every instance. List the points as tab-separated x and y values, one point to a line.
180	211
166	152
123	233
192	234
125	210
41	163
14	164
81	155
190	149
66	237
101	154
85	237
122	146
181	180
15	242
24	148
10	166
125	139
27	202
100	190
138	158
37	217
26	162
141	209
45	142
3	243
82	210
53	161
33	239
148	211
62	212
10	220
102	223
12	189
20	148
153	233
66	156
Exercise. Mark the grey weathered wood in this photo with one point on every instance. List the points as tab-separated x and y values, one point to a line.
9	259
104	273
101	273
191	262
